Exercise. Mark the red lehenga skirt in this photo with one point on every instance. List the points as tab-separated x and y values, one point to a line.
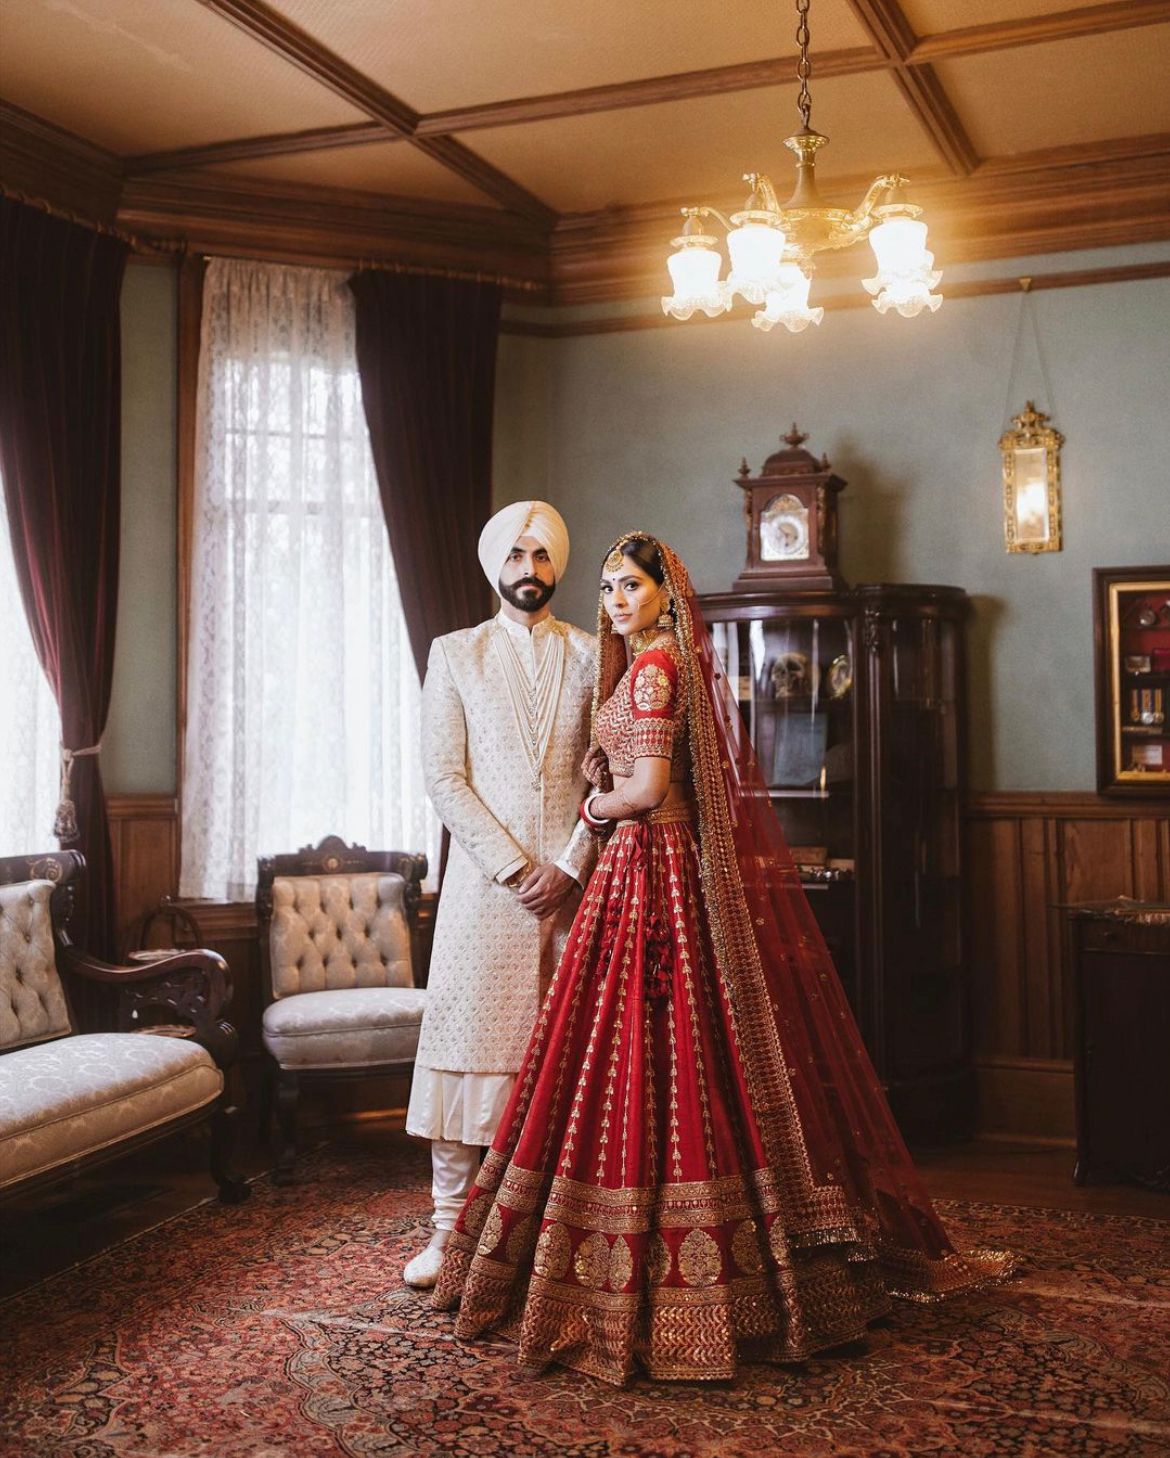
626	1215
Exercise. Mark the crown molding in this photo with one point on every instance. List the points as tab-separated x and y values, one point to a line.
48	164
1051	200
334	227
972	289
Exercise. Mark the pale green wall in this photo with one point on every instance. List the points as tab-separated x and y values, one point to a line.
646	429
138	748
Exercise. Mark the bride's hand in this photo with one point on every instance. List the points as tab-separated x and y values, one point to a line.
595	768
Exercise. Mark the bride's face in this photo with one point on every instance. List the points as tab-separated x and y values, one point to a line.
632	598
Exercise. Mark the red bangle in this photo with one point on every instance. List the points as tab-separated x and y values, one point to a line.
597	826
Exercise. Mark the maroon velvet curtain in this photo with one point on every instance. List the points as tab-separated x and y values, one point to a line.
60	453
426	351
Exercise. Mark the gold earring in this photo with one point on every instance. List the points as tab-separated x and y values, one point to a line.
666	616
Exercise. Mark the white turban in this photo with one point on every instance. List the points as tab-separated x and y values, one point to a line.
523	519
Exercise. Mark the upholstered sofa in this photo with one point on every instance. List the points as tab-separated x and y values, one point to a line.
73	1094
336	925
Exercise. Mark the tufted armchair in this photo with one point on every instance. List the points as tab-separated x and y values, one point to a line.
70	1098
335	924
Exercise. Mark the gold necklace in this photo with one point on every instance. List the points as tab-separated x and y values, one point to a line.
646	638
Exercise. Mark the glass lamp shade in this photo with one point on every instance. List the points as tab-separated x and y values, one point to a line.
906	273
694	271
787	303
755	249
899	245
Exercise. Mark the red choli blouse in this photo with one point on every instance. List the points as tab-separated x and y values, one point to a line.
646	715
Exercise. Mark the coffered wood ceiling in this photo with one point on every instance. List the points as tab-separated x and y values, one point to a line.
553	142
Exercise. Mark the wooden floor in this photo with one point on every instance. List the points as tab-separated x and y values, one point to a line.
65	1226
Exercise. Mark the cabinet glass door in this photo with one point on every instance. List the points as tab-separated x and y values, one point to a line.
794	682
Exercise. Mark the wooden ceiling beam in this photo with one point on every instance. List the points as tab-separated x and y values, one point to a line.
1003	35
242	149
899	48
300	49
684	85
924	93
890	31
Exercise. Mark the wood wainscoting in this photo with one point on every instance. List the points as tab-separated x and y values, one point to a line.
1030	854
144	837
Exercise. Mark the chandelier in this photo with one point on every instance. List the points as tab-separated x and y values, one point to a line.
772	246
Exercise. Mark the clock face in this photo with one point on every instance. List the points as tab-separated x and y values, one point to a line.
784	529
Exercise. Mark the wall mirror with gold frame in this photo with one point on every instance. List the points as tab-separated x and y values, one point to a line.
1031	483
1132	643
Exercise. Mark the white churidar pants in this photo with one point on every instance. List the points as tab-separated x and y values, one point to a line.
459	1114
454	1167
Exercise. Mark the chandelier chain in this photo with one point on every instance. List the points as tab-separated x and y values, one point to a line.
804	65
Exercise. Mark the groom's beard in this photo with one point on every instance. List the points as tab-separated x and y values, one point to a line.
521	596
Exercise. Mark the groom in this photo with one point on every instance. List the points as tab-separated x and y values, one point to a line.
505	725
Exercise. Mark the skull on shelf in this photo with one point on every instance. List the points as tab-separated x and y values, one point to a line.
790	676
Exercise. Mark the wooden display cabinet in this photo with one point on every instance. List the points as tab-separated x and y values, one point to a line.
854	700
1119	955
1132	660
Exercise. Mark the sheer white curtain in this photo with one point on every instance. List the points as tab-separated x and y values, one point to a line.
302	695
30	726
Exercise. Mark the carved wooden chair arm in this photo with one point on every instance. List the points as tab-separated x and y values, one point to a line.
193	985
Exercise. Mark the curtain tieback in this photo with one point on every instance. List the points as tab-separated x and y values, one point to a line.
65	820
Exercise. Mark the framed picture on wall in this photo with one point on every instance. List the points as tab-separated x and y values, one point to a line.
1132	652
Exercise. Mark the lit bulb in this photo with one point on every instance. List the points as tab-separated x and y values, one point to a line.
899	245
694	271
755	250
787	303
906	273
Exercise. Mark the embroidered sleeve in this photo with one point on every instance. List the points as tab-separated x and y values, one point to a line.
653	691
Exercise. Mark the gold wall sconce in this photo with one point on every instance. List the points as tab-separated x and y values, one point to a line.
1031	456
1031	483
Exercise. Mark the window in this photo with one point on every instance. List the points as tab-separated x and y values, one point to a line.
30	726
302	694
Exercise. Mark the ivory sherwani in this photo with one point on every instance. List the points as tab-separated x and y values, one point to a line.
505	727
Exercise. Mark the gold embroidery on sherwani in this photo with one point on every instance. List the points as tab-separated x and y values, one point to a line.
699	1261
591	1262
553	1251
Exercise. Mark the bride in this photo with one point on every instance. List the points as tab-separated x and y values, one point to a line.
697	1165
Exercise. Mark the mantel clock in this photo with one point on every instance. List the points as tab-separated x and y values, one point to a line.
791	513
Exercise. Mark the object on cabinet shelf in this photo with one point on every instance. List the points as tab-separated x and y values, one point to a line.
790	676
791	514
865	775
839	676
1132	663
1120	974
1031	483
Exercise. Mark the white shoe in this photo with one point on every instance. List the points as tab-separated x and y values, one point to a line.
423	1271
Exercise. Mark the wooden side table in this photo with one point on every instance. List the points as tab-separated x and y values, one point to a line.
1120	975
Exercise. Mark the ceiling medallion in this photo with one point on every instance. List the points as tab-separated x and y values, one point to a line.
772	246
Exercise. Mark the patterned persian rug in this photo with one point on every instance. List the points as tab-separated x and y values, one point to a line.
281	1329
